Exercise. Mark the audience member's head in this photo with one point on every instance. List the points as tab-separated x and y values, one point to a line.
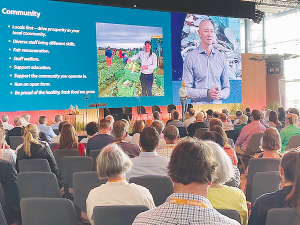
112	162
224	170
291	119
120	129
4	118
281	112
104	125
209	113
200	117
60	126
192	161
175	115
216	114
171	134
68	137
223	117
30	135
18	121
91	128
149	139
58	118
111	119
215	121
221	131
158	125
247	110
238	113
225	111
273	117
27	117
138	126
191	112
42	120
294	111
2	137
213	136
1	124
156	115
243	119
271	140
255	114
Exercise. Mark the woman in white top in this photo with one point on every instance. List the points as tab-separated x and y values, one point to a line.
5	151
113	163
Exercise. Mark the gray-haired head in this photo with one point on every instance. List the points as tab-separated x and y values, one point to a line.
171	133
18	121
4	118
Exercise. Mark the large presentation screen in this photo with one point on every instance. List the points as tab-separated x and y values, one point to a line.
57	54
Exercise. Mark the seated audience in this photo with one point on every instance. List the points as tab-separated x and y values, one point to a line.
243	120
175	122
191	118
48	131
69	139
213	122
216	114
287	196
220	195
34	148
197	124
172	137
248	113
236	121
8	180
5	124
252	128
101	139
156	115
91	129
159	127
60	126
116	191
148	162
293	111
137	129
5	151
112	120
291	129
267	115
262	119
273	119
58	119
209	115
169	120
26	120
120	131
191	168
227	125
17	130
281	114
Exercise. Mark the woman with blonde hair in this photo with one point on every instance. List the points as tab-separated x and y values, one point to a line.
5	151
137	129
291	129
69	139
113	164
34	148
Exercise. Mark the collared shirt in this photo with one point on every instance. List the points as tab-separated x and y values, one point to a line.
146	60
169	213
148	163
7	126
54	126
188	121
252	128
286	134
183	92
166	151
132	150
48	131
201	73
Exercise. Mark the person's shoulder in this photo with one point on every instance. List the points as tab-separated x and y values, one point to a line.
192	53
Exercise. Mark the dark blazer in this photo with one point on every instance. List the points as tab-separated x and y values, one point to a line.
194	126
98	142
16	131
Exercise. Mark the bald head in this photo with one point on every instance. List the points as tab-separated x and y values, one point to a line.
206	32
200	116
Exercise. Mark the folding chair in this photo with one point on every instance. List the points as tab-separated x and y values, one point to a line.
27	165
280	216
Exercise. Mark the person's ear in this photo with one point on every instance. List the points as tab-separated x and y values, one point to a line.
140	144
281	173
178	137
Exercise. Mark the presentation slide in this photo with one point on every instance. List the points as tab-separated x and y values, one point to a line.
56	54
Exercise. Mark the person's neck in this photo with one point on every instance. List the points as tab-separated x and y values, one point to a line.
198	121
207	48
192	188
169	142
104	132
117	177
148	151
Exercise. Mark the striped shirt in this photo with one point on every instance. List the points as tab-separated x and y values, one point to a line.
166	151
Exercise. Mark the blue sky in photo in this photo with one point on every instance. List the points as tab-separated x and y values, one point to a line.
124	36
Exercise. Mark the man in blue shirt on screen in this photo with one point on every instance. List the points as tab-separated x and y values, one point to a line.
205	70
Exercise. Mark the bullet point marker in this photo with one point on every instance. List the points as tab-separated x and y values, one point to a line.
9	66
9	49
10	75
10	83
8	40
11	92
9	57
8	25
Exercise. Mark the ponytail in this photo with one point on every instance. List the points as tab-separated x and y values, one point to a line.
30	133
293	175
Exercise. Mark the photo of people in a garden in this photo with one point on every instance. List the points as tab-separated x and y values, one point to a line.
129	60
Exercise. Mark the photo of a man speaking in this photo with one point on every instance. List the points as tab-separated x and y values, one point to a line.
205	70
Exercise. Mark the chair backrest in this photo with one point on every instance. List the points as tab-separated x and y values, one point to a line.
279	127
199	132
171	107
232	214
141	110
38	184
56	131
231	134
52	145
156	108
294	142
126	110
27	165
255	143
182	132
72	164
160	187
2	196
94	154
60	153
83	182
122	214
264	182
48	211
43	137
15	141
107	111
259	165
280	216
2	217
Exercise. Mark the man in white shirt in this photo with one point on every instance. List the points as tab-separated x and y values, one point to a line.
26	120
58	120
148	162
192	118
5	124
46	129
